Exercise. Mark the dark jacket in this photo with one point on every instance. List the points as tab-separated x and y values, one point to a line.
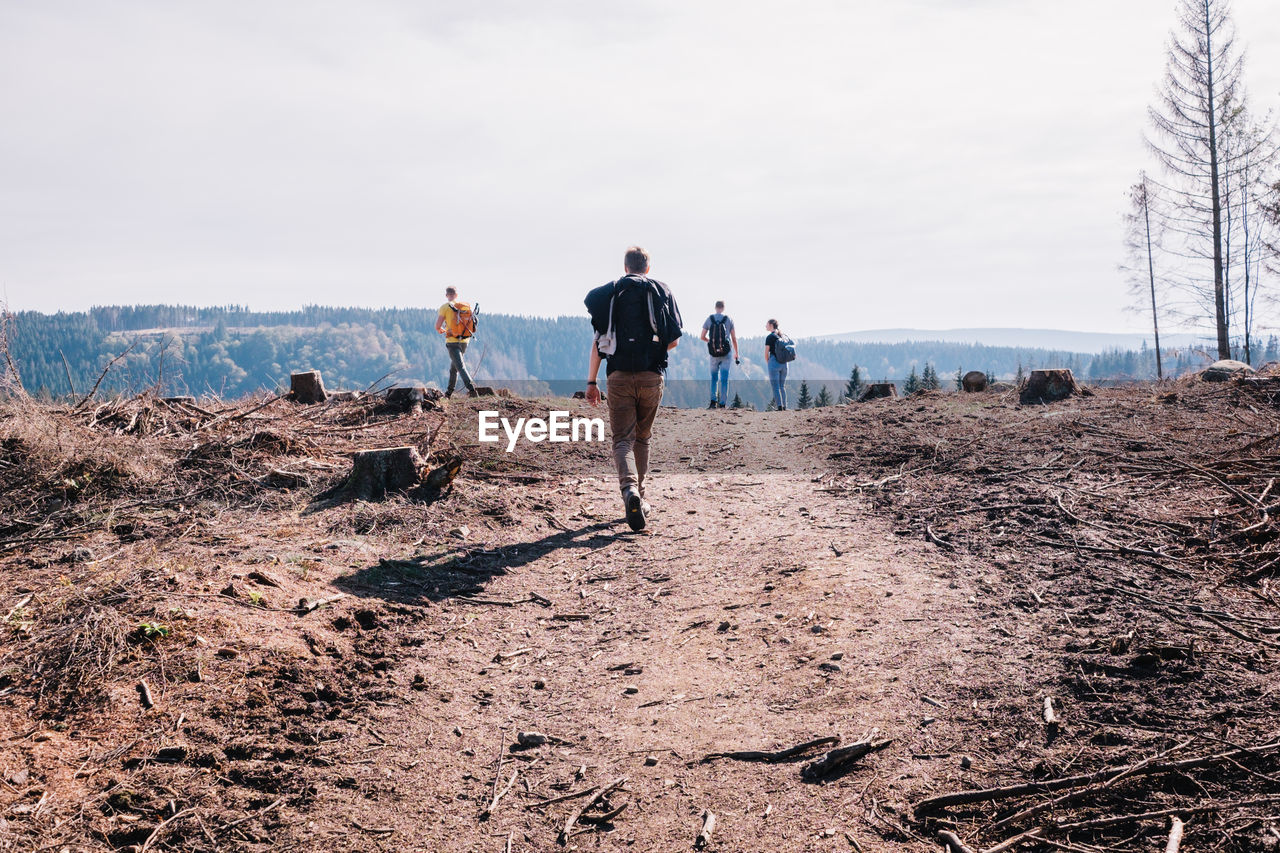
641	346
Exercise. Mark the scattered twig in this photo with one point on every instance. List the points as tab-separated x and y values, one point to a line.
488	810
576	815
983	795
155	833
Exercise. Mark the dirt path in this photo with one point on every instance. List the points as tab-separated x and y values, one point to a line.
760	612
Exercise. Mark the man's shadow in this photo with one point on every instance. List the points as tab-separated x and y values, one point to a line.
462	571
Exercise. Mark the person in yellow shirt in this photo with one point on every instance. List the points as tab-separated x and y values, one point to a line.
455	344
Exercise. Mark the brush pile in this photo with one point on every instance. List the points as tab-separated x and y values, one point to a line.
1148	521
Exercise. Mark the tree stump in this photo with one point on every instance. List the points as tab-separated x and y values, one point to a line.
307	388
1221	371
406	398
387	469
876	390
974	380
1047	386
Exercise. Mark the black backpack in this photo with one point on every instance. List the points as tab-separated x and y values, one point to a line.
718	339
639	323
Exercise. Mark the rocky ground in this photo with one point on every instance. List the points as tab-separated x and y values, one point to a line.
208	646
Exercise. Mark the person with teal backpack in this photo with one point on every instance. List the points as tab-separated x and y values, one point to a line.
780	351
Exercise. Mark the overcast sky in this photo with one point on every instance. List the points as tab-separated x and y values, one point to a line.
839	165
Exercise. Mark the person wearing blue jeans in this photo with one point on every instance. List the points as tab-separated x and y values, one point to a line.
719	334
777	369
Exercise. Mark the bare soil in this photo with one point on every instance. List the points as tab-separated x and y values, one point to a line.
922	571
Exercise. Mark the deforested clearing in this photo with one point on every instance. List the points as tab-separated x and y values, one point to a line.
863	627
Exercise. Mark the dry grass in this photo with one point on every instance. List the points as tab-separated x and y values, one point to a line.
43	450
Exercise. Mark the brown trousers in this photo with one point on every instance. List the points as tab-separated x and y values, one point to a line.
633	403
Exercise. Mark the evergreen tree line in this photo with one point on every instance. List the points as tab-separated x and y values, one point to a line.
233	351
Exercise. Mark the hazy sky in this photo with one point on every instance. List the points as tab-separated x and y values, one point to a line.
839	165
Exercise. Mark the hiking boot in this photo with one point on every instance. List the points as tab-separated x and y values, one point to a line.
713	405
448	394
635	507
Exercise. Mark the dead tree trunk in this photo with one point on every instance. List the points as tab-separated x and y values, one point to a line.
388	469
877	390
1047	386
307	388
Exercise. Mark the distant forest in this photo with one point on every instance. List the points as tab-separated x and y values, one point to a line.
232	351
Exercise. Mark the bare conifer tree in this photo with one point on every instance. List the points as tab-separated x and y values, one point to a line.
1141	243
1252	156
1201	88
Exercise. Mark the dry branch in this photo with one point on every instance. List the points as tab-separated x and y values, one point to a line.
952	842
577	815
959	798
493	804
840	759
772	757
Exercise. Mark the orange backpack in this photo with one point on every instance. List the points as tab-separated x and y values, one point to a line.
460	321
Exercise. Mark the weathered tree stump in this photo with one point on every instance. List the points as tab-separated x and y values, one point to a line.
974	380
406	398
387	469
1048	386
1221	371
877	390
307	388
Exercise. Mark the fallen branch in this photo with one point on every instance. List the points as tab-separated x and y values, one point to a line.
838	760
146	845
1010	843
259	813
570	796
573	818
933	537
1127	772
1175	835
306	605
772	757
984	795
952	842
488	810
1098	823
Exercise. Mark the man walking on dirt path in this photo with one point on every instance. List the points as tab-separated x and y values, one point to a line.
457	323
718	332
636	322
